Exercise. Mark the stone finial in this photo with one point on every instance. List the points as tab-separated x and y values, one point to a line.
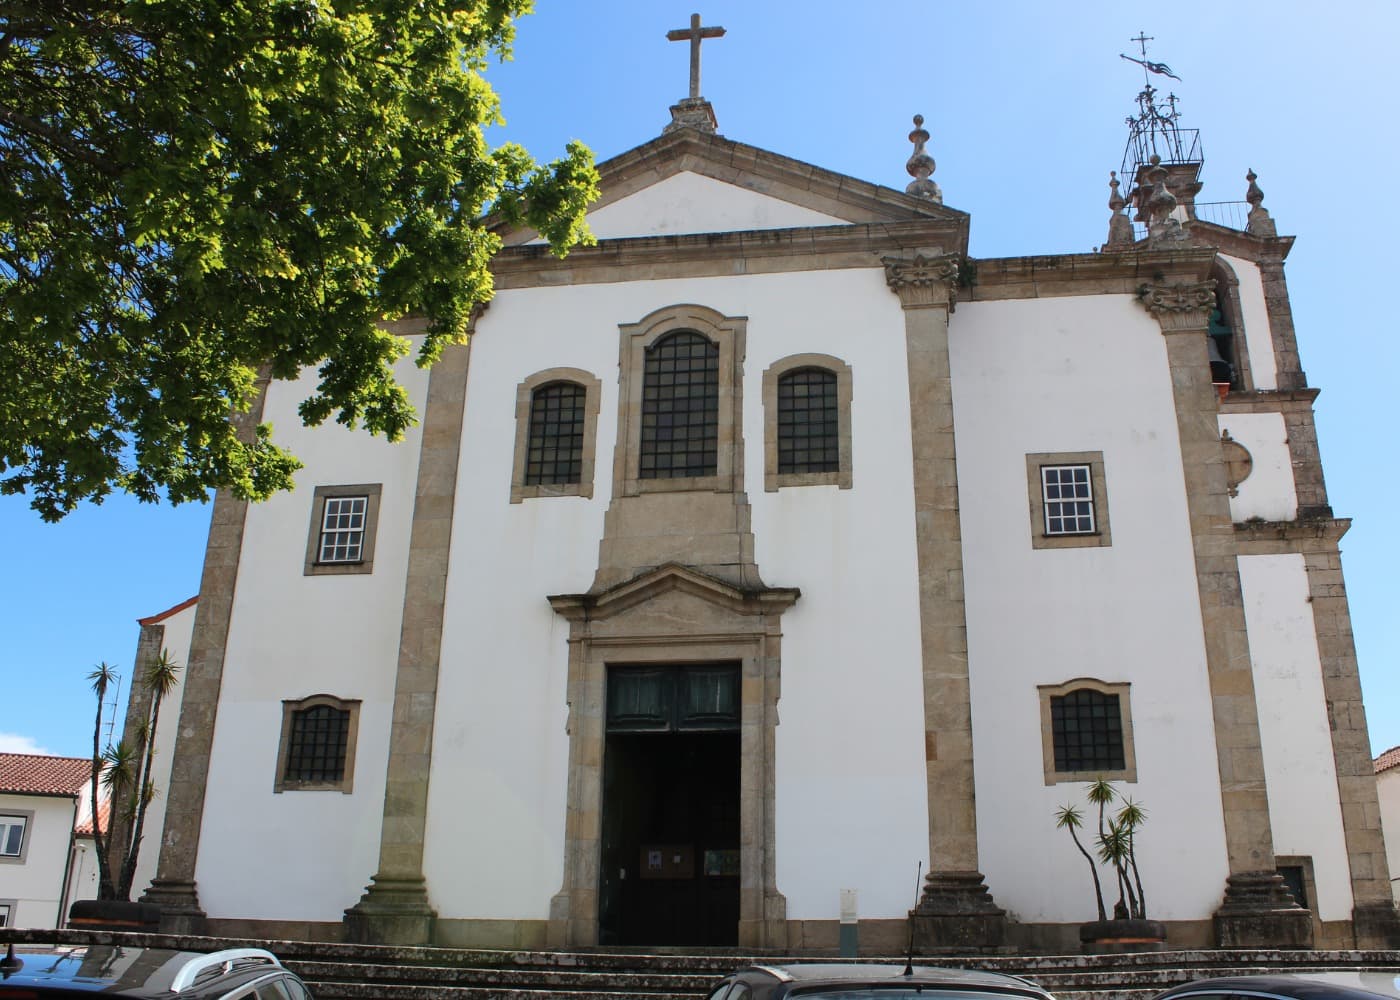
921	165
1162	224
1120	230
1259	223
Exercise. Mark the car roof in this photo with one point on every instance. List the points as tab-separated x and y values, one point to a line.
1304	986
117	970
834	972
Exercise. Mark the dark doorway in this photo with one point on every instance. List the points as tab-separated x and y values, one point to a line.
670	850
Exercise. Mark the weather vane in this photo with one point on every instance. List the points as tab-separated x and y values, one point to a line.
1161	69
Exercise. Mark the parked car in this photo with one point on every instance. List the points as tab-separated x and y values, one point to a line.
53	972
1300	986
830	981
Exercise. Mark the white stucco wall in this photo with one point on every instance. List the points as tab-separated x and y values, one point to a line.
1293	725
33	883
292	636
1268	491
179	629
1388	788
691	203
1257	333
850	645
1070	375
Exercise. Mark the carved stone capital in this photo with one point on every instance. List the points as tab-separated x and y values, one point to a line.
923	282
1182	306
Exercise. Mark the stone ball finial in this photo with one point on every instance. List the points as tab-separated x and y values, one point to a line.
1254	195
921	165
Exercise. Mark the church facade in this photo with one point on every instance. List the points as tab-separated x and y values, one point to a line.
772	548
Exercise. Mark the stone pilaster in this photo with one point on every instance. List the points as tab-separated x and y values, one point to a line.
1374	917
395	908
173	888
1280	310
138	712
955	910
1257	911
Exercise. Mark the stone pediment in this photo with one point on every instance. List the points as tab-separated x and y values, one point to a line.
801	194
676	586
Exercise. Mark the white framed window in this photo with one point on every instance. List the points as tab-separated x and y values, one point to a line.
12	835
1069	499
343	524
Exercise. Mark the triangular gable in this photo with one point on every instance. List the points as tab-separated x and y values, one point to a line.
667	579
765	185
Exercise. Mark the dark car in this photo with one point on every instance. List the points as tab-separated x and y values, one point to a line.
49	972
831	981
1302	986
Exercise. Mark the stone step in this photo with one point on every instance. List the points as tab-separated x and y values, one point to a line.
571	980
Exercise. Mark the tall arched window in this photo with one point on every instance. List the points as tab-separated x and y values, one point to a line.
1087	731
809	431
557	419
680	407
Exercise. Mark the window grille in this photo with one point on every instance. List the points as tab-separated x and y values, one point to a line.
343	530
319	739
809	433
1069	499
556	434
1088	731
680	408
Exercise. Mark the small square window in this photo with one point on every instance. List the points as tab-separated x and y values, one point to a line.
12	836
7	913
1087	732
344	521
1068	500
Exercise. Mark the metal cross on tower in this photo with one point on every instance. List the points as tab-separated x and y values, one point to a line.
694	34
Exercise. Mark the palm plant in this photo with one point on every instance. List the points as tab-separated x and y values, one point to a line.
102	677
126	769
1115	844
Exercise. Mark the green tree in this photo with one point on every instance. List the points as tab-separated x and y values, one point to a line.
194	191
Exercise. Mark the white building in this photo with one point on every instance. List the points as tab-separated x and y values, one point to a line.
771	547
44	860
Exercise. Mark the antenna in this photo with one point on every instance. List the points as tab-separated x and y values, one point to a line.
918	881
111	712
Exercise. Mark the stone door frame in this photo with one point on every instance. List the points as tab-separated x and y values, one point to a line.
637	623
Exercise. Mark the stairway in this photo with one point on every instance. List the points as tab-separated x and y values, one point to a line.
377	972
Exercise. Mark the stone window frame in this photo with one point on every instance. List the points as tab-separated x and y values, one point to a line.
1102	537
592	403
729	332
290	708
1047	730
773	480
28	816
313	566
1305	862
8	908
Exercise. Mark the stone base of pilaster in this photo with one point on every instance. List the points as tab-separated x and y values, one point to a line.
956	913
1260	912
180	912
1377	926
392	911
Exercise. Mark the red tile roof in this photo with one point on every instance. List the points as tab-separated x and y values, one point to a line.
156	619
1388	759
32	774
84	825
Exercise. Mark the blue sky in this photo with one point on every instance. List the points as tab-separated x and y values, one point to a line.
1026	104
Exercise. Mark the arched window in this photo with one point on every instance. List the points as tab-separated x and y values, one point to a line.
317	750
680	407
809	432
1087	731
557	419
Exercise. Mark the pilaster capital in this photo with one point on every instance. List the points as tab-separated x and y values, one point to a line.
1180	306
923	282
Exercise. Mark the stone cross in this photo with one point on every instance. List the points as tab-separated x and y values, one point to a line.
694	33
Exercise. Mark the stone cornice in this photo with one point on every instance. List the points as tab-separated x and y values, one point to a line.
1179	305
1083	274
923	282
1267	538
1269	401
712	254
1246	246
672	576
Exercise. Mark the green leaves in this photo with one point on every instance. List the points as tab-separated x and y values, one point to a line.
196	191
